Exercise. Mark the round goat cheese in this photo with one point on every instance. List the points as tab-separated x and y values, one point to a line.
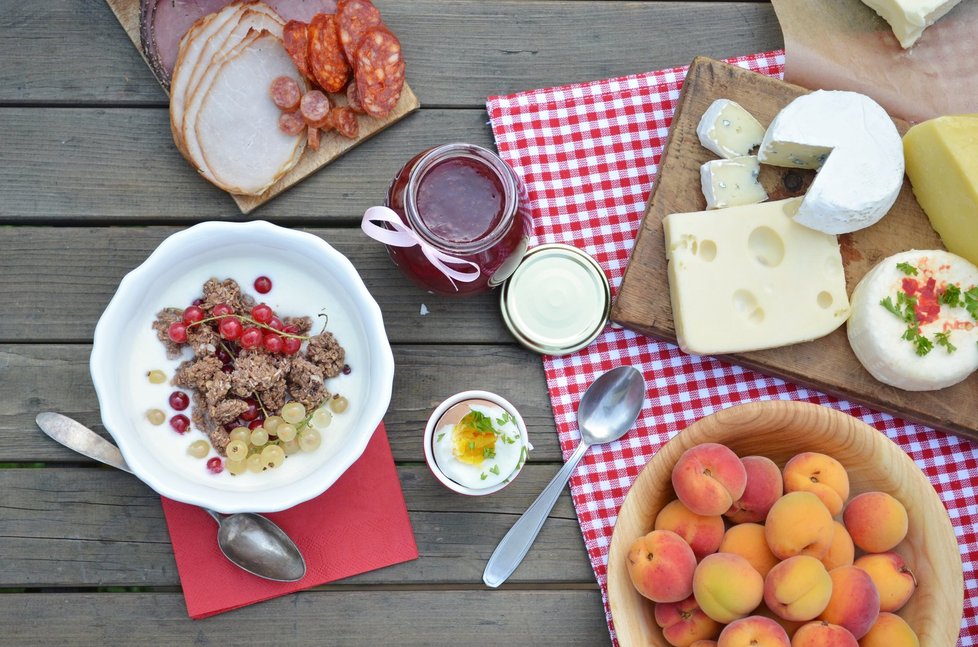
855	146
913	322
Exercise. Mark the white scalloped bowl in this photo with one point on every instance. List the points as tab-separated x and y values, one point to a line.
309	277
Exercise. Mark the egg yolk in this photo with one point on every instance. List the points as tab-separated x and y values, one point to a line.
474	439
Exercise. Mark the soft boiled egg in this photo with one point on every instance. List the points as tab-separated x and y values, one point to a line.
477	444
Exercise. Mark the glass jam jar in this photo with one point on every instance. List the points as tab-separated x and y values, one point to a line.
467	203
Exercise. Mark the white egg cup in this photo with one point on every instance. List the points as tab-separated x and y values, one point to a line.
436	416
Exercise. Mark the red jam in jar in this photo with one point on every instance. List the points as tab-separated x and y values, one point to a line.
467	203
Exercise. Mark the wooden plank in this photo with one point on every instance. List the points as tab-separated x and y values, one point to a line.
55	377
827	364
58	281
457	52
313	619
121	165
82	527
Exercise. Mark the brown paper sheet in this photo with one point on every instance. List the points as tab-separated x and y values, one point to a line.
845	45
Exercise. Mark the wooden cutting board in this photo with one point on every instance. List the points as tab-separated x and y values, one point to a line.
331	145
827	364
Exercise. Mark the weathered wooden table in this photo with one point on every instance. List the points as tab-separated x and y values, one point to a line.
90	183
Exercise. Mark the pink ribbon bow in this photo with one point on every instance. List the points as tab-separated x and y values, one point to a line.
403	236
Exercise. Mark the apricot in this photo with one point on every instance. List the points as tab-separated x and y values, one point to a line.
727	587
799	524
708	478
747	540
841	551
702	533
855	603
799	588
876	521
764	487
893	579
753	631
890	631
704	643
683	623
661	565
823	634
821	475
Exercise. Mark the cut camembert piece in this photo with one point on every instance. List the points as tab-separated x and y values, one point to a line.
856	148
728	130
747	278
914	321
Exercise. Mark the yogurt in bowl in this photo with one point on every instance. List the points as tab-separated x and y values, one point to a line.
476	442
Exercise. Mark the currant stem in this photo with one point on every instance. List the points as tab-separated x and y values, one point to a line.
248	320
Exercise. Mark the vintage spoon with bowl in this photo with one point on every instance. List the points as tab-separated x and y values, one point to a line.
248	540
607	411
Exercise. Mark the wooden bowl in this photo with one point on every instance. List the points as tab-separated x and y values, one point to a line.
779	430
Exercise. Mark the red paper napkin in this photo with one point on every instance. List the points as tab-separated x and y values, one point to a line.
588	154
359	524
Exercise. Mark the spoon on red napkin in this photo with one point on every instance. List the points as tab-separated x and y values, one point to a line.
607	411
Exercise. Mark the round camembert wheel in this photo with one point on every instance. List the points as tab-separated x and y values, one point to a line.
914	322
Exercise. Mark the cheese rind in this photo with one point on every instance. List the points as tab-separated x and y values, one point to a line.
877	335
942	164
862	152
909	18
732	182
747	278
728	130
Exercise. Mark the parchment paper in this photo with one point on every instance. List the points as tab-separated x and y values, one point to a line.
845	45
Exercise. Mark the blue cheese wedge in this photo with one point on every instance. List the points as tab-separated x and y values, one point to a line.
728	130
914	321
856	148
909	18
750	277
732	182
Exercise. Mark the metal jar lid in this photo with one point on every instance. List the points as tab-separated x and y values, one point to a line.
557	301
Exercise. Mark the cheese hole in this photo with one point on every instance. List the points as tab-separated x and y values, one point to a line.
745	303
708	250
824	299
766	246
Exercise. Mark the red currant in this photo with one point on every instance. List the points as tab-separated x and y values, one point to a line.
223	355
177	332
221	310
276	323
228	368
180	423
179	400
251	412
262	313
230	328
250	338
290	329
256	423
263	285
197	302
347	369
272	343
215	465
193	314
291	345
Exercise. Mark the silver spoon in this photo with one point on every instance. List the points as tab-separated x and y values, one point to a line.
607	411
248	540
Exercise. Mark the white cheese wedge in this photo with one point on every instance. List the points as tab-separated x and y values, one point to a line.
732	182
728	130
909	18
747	278
879	337
857	148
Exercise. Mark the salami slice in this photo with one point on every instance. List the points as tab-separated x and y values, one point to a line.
313	138
327	62
355	18
344	120
379	69
353	98
286	93
291	123
295	36
315	108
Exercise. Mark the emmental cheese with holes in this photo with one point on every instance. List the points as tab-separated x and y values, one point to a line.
750	277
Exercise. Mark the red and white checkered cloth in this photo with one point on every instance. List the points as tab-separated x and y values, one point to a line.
588	154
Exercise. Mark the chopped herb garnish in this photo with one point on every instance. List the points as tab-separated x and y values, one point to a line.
440	436
494	469
951	296
888	304
478	421
922	345
488	452
471	444
483	476
971	302
943	339
907	269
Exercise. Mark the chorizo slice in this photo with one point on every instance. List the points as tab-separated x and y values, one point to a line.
344	120
295	37
314	108
355	18
286	93
291	123
313	138
379	67
327	62
353	98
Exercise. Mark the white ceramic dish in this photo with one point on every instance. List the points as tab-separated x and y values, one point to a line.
429	434
309	276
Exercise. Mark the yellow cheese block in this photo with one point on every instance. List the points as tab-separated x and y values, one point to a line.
942	164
